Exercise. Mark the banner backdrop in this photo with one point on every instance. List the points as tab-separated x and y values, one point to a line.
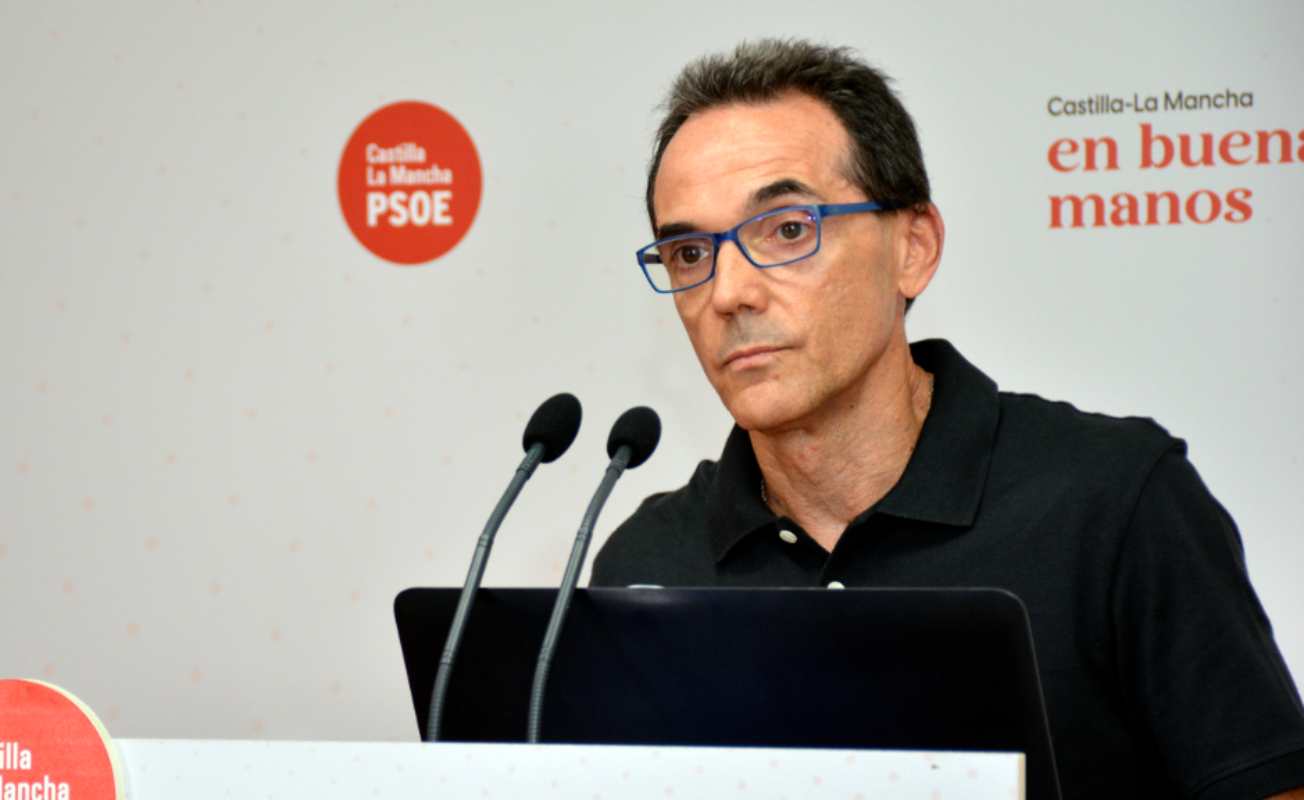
234	432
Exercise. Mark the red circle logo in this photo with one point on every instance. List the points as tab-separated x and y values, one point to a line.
409	182
52	746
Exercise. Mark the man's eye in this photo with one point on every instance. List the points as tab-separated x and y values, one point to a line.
688	255
792	231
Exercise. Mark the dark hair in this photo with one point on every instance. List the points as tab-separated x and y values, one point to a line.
886	160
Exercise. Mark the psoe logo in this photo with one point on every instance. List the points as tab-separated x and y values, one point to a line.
409	182
52	747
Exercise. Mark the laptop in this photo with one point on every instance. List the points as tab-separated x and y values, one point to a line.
916	669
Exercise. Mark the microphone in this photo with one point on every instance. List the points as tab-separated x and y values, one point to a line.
548	434
632	440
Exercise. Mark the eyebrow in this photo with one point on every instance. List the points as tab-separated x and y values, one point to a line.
780	188
783	187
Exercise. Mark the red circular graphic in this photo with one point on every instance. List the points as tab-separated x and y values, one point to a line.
52	746
409	182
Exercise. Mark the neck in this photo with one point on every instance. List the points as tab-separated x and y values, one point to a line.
826	470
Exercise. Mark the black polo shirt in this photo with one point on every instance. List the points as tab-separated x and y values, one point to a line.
1158	663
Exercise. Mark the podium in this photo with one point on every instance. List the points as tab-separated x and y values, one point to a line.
804	670
219	770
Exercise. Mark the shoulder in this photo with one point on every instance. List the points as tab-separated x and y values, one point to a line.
1062	422
1089	446
667	529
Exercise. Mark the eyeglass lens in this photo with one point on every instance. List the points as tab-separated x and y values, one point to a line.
769	240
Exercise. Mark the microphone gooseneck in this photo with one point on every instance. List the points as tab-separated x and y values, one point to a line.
550	431
632	440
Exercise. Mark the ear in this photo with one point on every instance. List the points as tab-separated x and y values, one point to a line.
923	234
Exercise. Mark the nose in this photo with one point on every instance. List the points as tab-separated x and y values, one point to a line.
737	285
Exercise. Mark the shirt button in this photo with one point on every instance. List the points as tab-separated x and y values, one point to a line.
837	585
788	536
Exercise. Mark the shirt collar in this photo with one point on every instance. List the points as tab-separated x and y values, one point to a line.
942	483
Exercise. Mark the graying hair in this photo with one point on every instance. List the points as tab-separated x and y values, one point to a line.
886	160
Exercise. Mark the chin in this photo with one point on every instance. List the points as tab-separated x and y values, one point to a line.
762	408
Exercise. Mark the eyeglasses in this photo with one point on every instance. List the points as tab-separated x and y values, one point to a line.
772	239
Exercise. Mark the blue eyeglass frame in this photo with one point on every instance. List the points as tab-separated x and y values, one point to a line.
818	212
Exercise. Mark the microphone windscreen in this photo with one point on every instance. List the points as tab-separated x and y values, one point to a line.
639	429
553	425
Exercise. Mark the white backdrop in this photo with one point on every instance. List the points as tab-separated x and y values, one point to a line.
233	434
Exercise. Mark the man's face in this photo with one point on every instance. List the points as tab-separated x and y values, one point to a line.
781	346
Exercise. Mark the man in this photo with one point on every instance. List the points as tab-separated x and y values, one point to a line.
861	460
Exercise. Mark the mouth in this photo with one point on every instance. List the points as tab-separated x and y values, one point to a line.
748	357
